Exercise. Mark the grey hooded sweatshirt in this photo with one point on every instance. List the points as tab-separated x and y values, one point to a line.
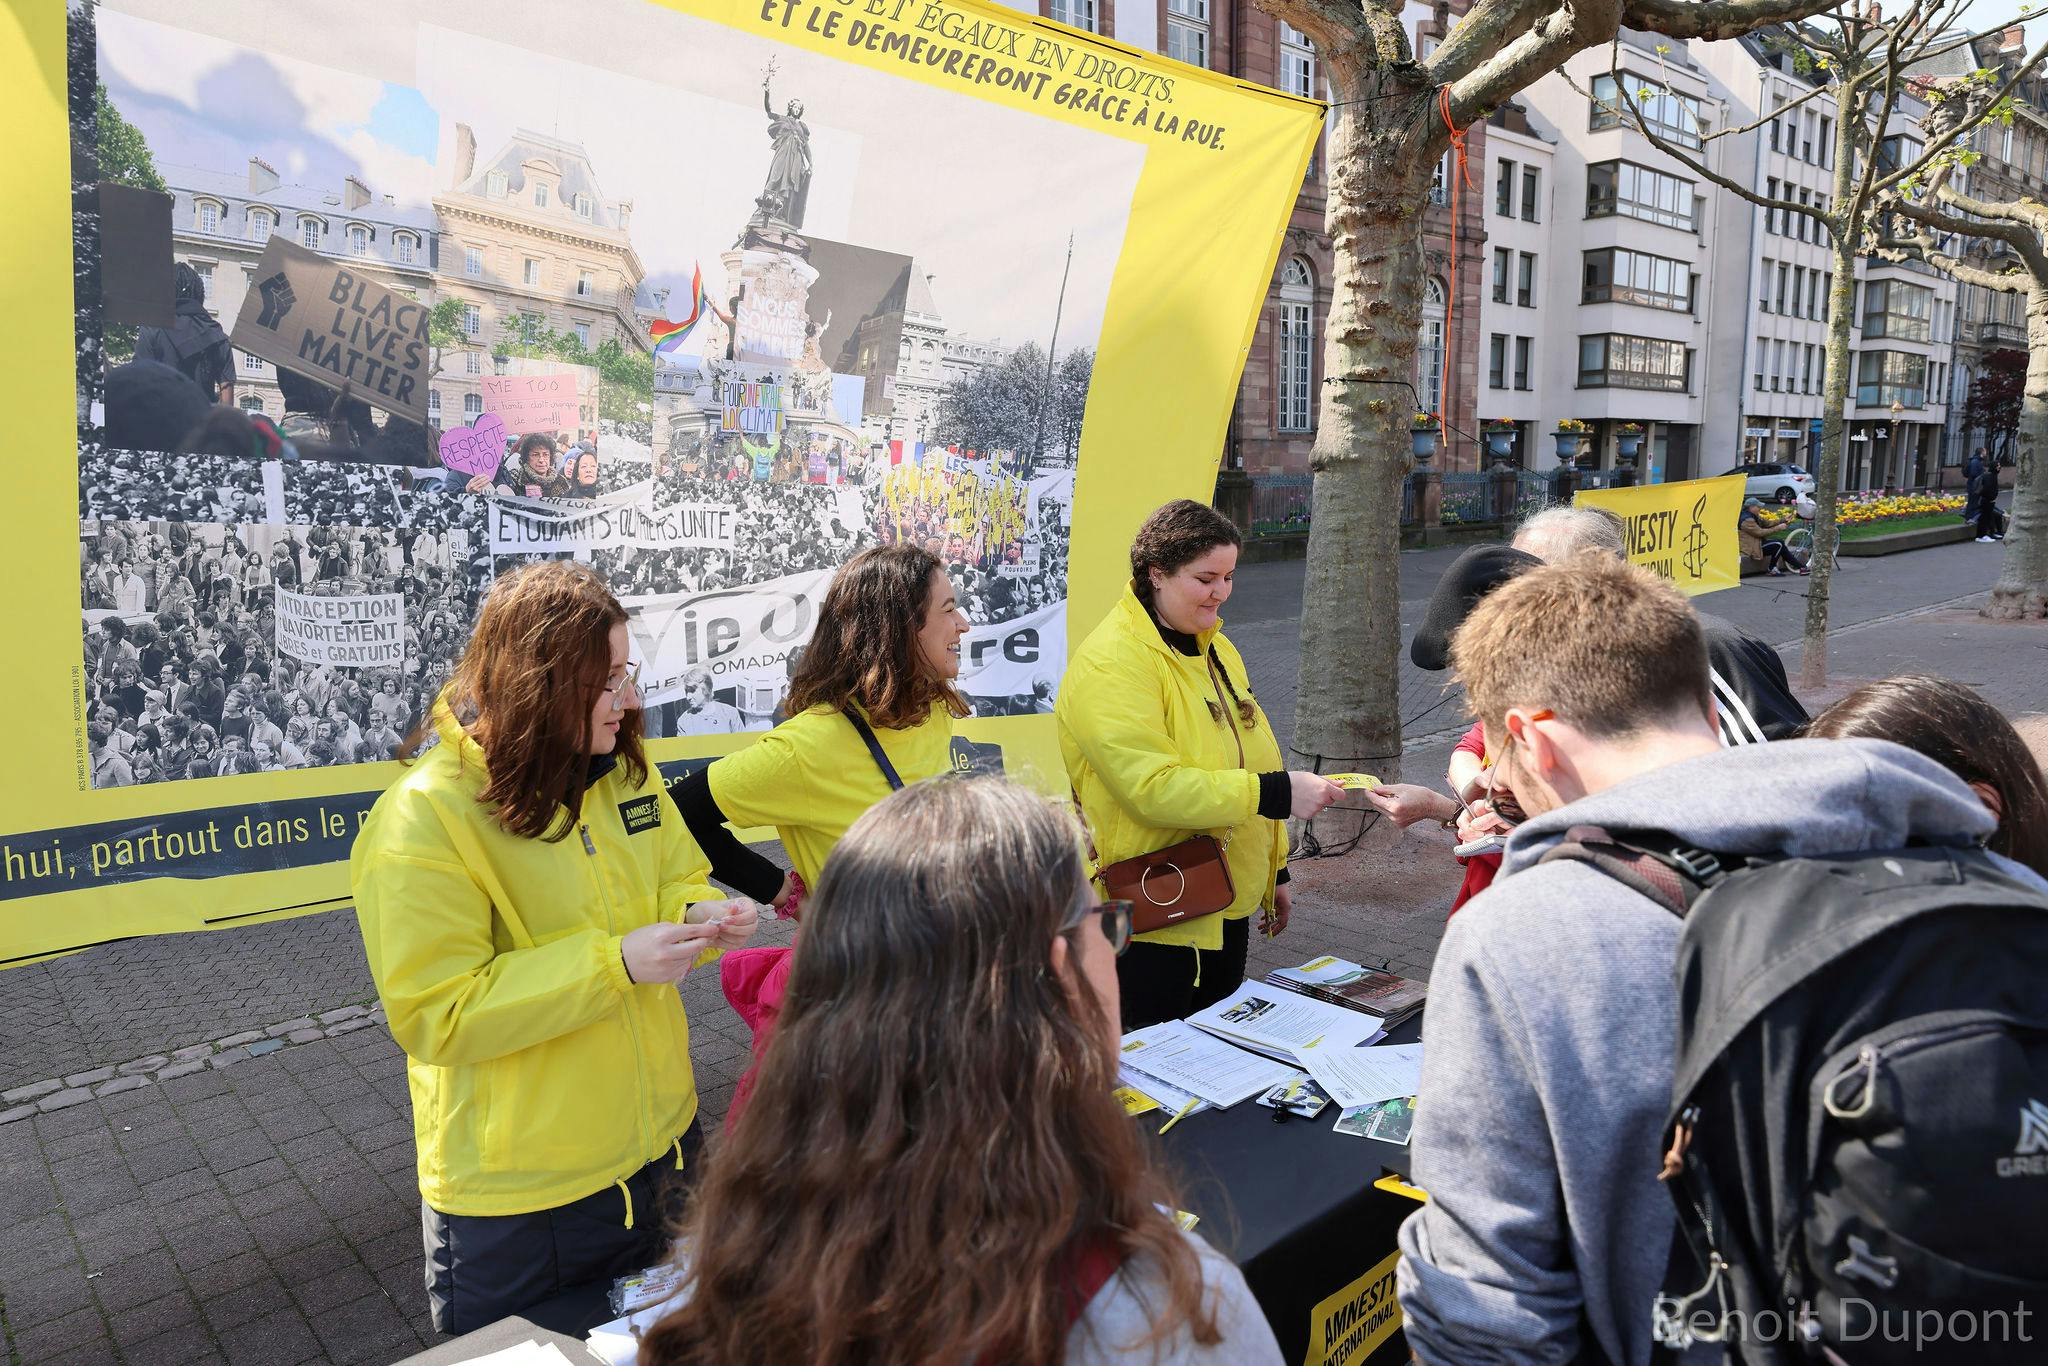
1550	1038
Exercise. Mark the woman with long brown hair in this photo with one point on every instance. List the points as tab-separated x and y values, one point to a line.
870	708
1953	725
933	1168
527	909
1165	744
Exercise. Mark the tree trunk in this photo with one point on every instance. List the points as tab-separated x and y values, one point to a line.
1834	431
2022	588
1347	707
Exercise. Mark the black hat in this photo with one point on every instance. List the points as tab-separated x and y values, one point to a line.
1471	577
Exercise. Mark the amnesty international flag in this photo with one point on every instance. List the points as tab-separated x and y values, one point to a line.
872	210
1683	531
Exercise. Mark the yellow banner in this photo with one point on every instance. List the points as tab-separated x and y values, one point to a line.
1345	1328
1683	531
872	210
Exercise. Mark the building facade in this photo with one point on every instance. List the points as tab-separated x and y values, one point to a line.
529	233
221	222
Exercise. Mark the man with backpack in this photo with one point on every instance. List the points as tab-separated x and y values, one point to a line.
1555	1023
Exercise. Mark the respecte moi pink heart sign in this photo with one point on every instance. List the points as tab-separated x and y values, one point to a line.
476	449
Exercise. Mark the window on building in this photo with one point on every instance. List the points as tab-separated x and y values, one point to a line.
495	184
1622	187
1504	189
472	321
540	194
1763	289
1784	276
434	404
1896	152
472	405
472	361
1439	181
1771	210
1897	310
262	222
1497	361
1529	196
1503	260
473	261
582	335
1826	142
1297	62
1806	370
531	275
1674	117
1806	126
1887	377
1827	295
309	232
1187	31
205	273
1616	361
250	403
586	284
1618	275
1525	280
209	216
1523	347
252	363
1297	346
358	240
406	247
584	207
1075	13
1429	350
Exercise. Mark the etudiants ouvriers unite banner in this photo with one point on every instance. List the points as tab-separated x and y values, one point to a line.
847	213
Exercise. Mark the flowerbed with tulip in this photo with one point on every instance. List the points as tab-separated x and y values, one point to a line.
1879	509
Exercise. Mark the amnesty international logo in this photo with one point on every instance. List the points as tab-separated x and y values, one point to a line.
1697	540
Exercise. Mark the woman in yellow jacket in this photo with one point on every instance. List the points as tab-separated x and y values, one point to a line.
528	904
1152	714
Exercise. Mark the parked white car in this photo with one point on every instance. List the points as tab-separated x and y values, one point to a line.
1774	482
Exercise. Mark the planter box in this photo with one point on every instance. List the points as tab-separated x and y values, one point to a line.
1909	540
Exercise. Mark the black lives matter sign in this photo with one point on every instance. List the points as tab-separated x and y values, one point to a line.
329	321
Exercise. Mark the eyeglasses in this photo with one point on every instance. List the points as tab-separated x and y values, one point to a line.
1116	921
615	688
1503	803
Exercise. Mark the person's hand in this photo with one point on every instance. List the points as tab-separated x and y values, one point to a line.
1283	904
665	951
478	483
1478	821
1311	792
1407	803
783	903
741	918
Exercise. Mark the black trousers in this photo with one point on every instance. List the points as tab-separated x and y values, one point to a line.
483	1267
1159	981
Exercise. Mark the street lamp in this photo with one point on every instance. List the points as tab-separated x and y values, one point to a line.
1895	453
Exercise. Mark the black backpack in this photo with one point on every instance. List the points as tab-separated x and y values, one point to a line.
1858	1137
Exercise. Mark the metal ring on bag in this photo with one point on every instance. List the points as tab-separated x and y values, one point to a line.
1145	876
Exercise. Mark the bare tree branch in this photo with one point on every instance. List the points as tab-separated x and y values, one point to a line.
1935	149
1555	36
2022	239
1480	34
1700	168
1617	71
1716	19
1337	29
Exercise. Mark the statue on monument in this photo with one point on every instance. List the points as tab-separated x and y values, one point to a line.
788	189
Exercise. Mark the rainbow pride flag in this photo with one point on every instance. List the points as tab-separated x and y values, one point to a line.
669	336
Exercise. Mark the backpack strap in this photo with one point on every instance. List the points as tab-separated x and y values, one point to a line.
867	735
1648	862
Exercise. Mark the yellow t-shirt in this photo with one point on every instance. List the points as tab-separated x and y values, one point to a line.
812	777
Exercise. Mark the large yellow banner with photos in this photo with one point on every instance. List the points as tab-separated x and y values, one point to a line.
776	279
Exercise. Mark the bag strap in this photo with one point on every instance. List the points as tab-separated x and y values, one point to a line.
1219	678
1648	862
867	735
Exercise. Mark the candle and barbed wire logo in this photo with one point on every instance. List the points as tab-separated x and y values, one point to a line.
1697	540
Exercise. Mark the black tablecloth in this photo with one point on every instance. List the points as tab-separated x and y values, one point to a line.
1292	1203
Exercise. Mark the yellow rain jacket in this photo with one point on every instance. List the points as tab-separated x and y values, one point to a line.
540	1072
1152	766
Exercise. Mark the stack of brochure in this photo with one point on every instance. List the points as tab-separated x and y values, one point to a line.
1279	1023
1388	997
1191	1064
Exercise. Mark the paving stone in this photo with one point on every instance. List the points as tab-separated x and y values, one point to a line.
47	1340
182	1069
218	1278
63	1100
229	1059
197	1050
30	1091
136	1281
49	1295
185	1344
141	1065
98	1352
264	1294
237	1040
88	1078
289	1026
349	1027
144	1322
17	1112
120	1084
305	1035
328	1017
280	1339
257	1050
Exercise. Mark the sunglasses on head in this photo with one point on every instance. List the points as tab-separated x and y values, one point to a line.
1116	921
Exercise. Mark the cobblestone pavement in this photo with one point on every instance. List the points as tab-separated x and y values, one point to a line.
261	1205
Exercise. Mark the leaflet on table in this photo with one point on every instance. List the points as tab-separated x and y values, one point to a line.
1209	1068
1276	1022
1357	1075
1373	990
1166	1096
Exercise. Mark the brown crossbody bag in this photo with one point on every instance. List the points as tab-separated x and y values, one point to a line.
1184	881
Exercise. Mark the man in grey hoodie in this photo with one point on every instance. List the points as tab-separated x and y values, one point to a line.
1552	1012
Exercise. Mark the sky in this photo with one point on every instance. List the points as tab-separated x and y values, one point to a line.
669	109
